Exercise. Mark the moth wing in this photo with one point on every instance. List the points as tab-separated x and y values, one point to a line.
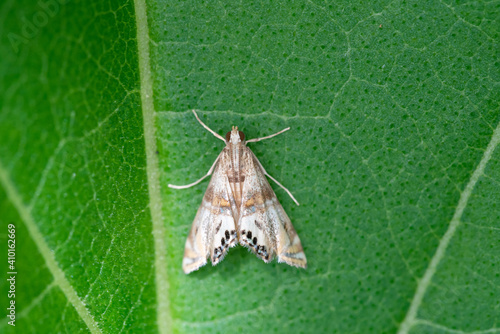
213	231
264	226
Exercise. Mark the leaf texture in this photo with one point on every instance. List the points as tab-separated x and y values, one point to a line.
394	109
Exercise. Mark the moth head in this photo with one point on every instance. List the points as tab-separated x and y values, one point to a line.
234	136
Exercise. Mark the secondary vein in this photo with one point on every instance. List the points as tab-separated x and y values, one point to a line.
164	318
411	315
48	256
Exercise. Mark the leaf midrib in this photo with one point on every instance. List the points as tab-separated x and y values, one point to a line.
163	316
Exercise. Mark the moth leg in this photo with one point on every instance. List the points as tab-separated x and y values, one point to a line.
206	127
267	137
198	181
279	184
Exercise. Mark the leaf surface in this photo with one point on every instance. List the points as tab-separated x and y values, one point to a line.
393	155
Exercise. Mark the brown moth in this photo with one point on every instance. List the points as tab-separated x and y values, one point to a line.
240	206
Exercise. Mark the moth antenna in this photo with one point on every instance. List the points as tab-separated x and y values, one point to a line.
206	127
267	137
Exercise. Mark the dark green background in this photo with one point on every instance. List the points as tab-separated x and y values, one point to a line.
391	106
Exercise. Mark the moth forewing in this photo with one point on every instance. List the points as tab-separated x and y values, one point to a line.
209	227
224	238
264	226
290	249
240	206
222	230
195	252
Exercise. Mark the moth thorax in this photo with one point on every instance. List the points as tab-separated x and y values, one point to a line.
234	136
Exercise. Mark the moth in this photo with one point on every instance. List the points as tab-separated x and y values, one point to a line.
240	206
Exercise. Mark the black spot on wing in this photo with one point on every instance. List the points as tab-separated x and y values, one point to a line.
228	240
217	228
251	242
259	226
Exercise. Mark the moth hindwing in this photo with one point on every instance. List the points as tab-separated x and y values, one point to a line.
240	206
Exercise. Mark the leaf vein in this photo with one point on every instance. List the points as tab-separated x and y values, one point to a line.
411	316
59	277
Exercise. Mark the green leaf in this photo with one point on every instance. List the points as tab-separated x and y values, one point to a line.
393	154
